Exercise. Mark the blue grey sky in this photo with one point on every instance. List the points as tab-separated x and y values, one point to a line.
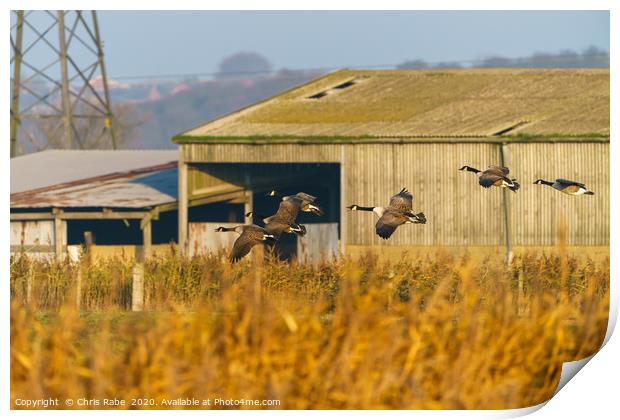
141	43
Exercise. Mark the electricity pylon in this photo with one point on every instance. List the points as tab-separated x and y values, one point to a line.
60	76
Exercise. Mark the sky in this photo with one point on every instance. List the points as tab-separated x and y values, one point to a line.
141	43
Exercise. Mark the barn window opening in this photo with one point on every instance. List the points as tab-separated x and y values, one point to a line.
318	95
340	86
345	85
509	129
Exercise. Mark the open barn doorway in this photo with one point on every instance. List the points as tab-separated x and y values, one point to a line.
319	179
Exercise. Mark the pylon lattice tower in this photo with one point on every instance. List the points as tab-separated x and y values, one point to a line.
67	92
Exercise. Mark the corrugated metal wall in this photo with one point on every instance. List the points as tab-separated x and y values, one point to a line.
458	210
537	210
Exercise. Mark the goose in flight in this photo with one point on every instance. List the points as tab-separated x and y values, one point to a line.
276	225
249	235
307	201
566	186
494	176
287	213
397	213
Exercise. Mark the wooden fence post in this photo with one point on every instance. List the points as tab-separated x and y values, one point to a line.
29	282
183	204
78	287
137	287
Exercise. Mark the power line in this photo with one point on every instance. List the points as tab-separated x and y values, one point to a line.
431	64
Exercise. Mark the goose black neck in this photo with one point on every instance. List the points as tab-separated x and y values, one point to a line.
542	181
470	169
364	208
225	229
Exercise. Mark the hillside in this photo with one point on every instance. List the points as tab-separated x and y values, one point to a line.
193	102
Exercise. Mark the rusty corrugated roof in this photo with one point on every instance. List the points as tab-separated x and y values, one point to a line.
53	167
121	179
426	103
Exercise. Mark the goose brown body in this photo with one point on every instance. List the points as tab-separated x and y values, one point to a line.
249	236
494	176
307	201
566	186
396	213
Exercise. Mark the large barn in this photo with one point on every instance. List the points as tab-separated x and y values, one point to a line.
358	137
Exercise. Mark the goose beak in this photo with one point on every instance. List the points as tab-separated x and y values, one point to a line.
248	214
316	210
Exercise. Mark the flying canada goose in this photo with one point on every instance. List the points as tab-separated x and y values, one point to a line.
277	226
287	210
307	201
566	186
495	176
249	235
284	219
398	212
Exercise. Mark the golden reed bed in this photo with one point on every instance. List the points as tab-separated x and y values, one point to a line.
426	332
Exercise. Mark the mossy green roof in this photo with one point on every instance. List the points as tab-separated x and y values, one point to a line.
392	104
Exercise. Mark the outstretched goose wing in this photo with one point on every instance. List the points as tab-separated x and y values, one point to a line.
403	201
499	170
307	197
287	211
568	182
243	245
387	224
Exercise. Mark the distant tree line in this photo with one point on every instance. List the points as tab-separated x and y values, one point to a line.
242	79
591	57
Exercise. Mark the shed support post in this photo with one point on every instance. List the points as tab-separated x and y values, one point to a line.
58	236
343	191
248	206
505	158
183	203
147	238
